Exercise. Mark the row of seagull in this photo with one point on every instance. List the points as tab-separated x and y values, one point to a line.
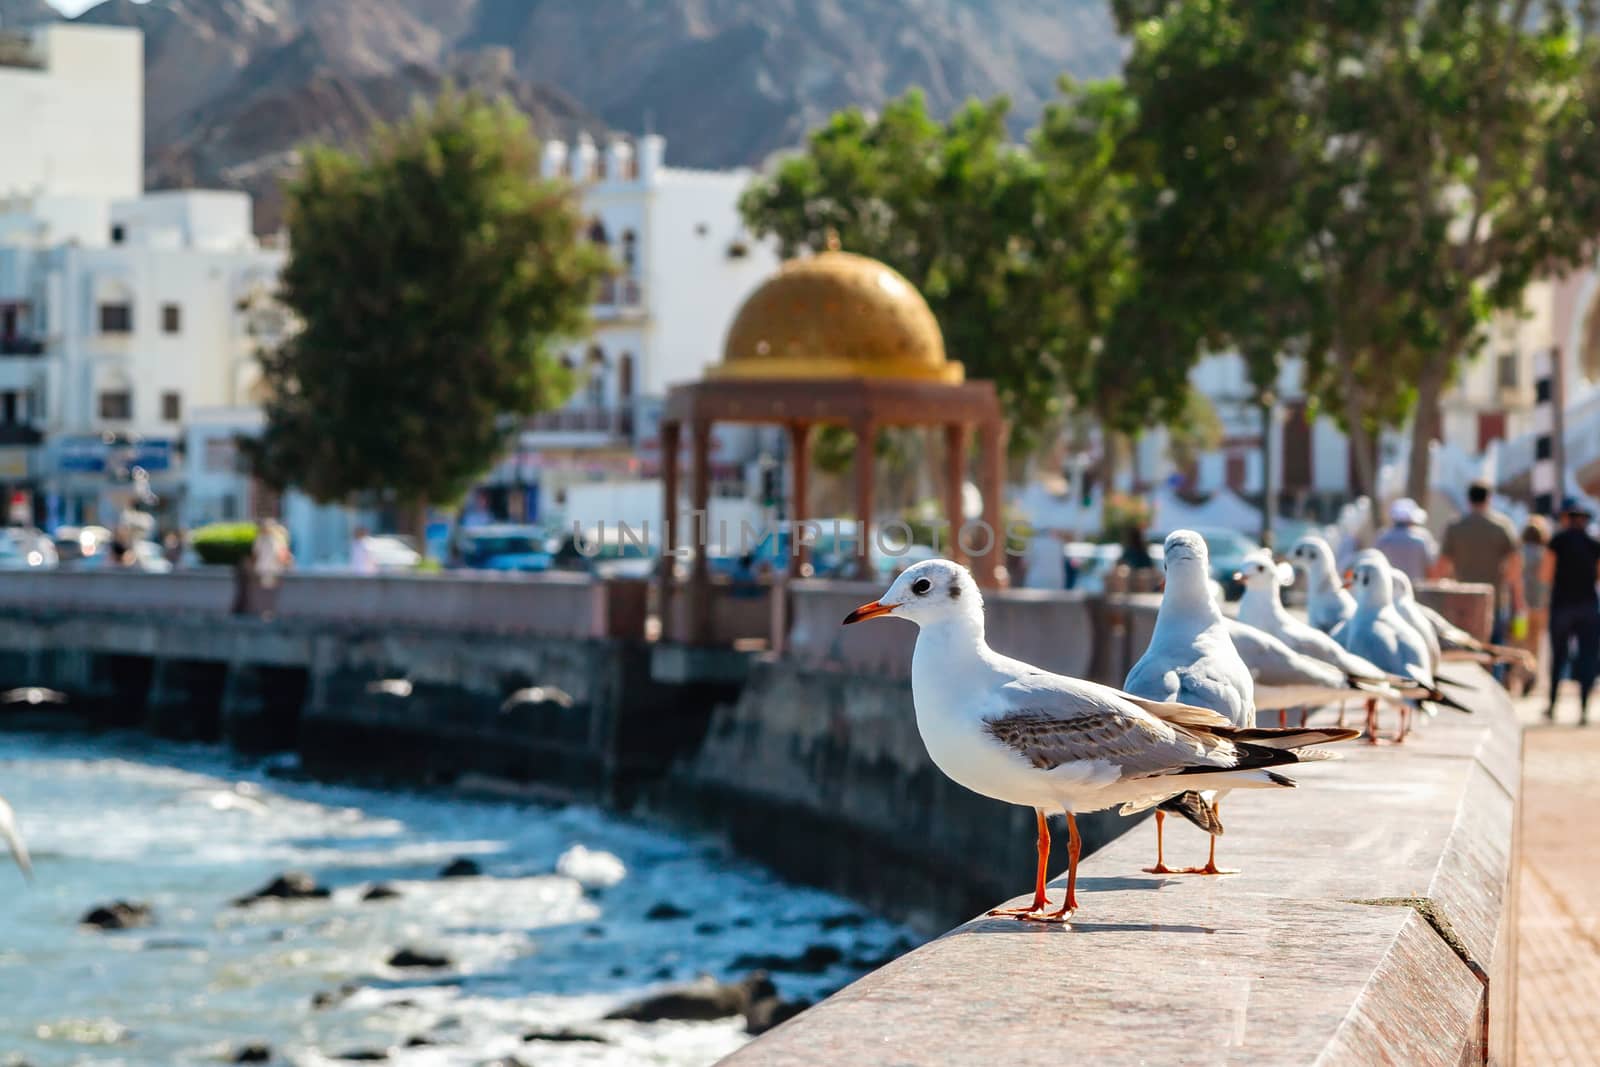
1181	731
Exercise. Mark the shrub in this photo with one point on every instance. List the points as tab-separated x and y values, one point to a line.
224	543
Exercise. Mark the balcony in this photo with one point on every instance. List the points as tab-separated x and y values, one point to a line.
619	298
17	345
604	423
19	433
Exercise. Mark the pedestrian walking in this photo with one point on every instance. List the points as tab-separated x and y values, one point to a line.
1535	597
1407	542
1483	546
1571	567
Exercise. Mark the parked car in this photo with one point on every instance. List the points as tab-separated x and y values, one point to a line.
1091	562
1227	549
505	547
392	553
25	550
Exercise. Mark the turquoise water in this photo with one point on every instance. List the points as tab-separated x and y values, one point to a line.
190	828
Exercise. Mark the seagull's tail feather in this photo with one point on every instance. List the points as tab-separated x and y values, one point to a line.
1290	739
1192	806
1441	680
1445	700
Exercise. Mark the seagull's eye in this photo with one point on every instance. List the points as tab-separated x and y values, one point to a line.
921	586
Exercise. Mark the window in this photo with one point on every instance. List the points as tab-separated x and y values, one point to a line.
1509	371
171	407
116	318
8	408
118	234
171	318
117	405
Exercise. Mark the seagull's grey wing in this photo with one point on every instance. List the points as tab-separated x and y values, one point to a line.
1274	663
1154	678
1450	635
1050	729
13	839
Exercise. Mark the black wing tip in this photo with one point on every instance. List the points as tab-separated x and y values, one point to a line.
1278	779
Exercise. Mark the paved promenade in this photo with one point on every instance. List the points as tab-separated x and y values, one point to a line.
1558	996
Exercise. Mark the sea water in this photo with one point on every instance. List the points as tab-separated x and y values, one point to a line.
189	828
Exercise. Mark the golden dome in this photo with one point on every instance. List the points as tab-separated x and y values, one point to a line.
836	315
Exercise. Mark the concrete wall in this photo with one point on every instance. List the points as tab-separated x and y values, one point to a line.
1372	924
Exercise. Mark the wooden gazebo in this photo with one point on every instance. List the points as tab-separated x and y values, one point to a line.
835	339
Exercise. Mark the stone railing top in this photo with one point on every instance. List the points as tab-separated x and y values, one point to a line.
1371	924
556	603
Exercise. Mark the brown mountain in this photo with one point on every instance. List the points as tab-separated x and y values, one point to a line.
232	86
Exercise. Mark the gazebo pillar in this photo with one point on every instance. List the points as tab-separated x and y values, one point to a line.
955	476
800	491
991	483
669	528
699	502
866	438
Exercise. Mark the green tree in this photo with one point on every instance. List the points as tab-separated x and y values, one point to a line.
433	276
1361	185
951	205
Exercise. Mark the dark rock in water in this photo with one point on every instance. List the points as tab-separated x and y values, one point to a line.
253	1054
662	973
744	922
594	931
764	1014
705	998
410	957
420	1041
290	885
848	921
708	928
461	867
565	1035
370	1055
665	910
119	915
618	971
329	998
381	891
813	960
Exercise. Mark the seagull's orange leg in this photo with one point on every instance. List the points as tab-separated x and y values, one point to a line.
1161	862
1405	724
1040	901
1211	858
1341	714
1283	718
1372	722
1074	847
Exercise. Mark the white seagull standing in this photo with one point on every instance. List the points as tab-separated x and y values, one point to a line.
1262	607
1327	604
1405	602
1286	679
1009	730
13	839
1191	660
1378	632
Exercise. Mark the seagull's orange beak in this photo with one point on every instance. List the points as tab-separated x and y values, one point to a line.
868	611
1349	579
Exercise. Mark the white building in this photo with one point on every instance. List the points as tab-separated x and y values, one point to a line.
73	102
120	312
687	264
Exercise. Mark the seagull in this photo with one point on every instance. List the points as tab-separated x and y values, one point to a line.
1456	643
1011	731
13	839
1378	632
1262	607
1405	602
1327	603
1286	679
1191	660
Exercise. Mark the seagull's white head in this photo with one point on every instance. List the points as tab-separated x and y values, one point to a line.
1259	572
1370	581
1402	586
935	590
1314	556
1188	564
